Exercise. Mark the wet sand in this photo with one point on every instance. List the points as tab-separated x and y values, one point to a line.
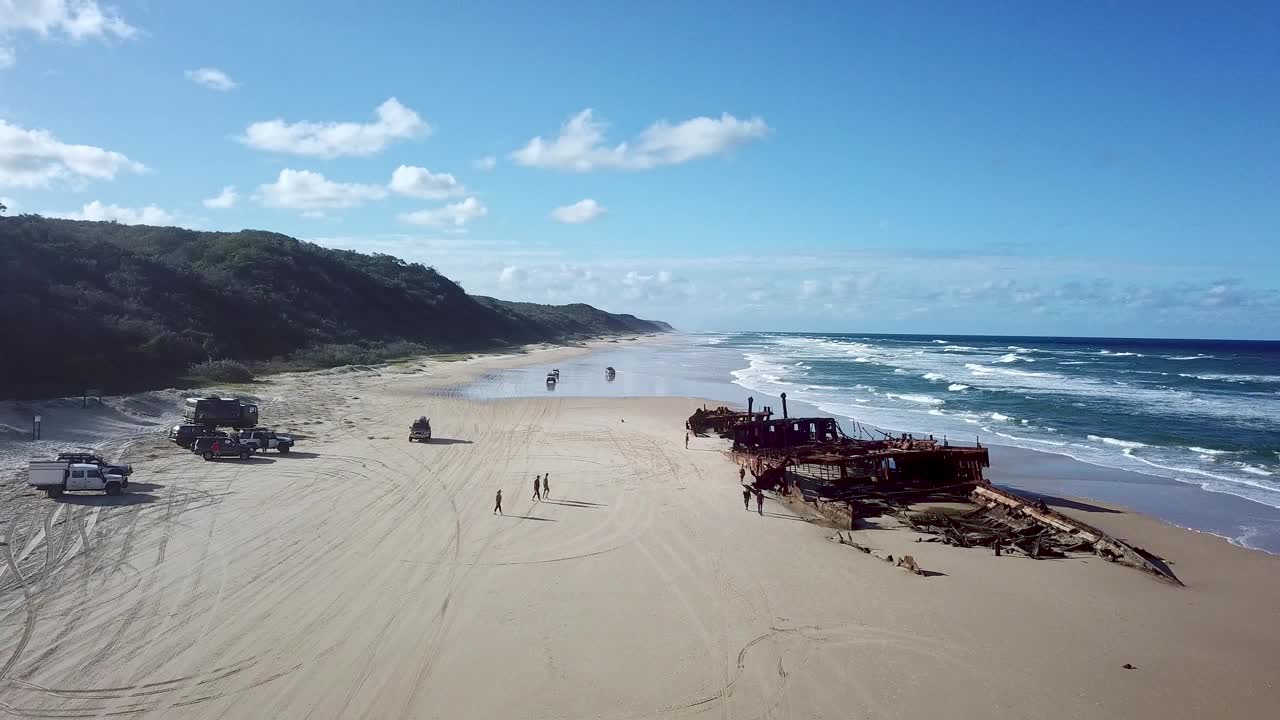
365	577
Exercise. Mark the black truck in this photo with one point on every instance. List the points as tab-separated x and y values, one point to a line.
214	412
214	448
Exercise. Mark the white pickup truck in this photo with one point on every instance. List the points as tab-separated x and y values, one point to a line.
263	440
58	476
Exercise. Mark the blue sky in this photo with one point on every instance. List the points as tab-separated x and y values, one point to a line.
1042	168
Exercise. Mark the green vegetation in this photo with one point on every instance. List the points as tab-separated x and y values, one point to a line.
225	371
337	355
129	307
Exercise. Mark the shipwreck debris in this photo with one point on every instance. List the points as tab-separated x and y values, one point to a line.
1014	510
721	419
886	475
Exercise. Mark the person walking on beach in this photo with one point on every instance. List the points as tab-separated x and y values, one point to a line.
546	486
537	488
742	474
497	503
746	498
686	441
760	501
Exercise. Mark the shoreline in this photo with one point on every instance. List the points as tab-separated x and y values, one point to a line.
364	576
1243	522
264	370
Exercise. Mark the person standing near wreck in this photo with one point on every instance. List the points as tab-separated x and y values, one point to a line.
746	498
760	501
686	441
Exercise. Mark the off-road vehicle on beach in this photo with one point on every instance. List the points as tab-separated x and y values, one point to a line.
420	430
201	432
212	412
124	470
264	439
215	448
58	476
184	435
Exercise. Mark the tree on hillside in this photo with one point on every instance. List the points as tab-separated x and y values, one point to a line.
2	208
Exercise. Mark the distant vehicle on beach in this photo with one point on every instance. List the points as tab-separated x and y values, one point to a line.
124	470
420	430
264	439
58	476
226	447
212	412
184	435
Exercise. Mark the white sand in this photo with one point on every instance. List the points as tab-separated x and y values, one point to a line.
366	577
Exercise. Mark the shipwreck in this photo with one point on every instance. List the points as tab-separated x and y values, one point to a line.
894	474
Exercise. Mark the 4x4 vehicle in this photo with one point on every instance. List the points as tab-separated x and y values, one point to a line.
58	476
213	448
124	470
184	435
420	430
222	412
263	439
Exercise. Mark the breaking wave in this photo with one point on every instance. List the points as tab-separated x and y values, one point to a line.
1156	421
1130	444
923	399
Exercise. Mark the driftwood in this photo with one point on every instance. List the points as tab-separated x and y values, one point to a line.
906	561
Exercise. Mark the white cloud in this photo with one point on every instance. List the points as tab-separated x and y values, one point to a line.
35	158
149	215
456	214
581	146
699	137
869	289
422	183
655	286
579	212
569	282
306	190
76	19
512	276
223	200
488	162
335	139
212	78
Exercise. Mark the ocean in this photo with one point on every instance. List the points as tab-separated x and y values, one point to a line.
1204	414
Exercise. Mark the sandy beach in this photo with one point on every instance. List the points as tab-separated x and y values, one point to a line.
365	577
